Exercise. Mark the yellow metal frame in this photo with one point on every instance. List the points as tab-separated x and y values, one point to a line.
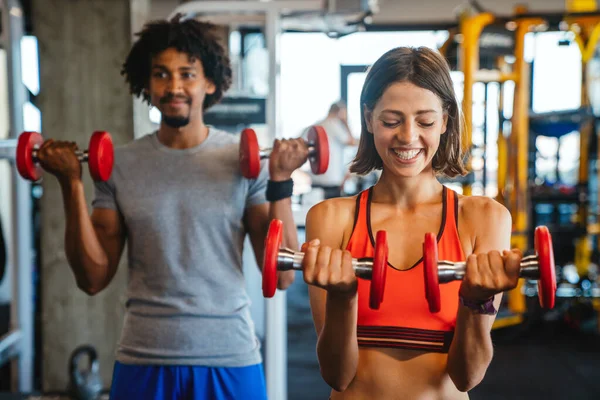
510	320
586	30
471	27
513	152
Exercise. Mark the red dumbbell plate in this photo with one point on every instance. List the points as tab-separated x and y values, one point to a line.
249	154
101	156
28	168
430	271
272	245
319	158
379	273
545	255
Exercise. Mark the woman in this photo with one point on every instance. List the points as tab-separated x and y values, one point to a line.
411	131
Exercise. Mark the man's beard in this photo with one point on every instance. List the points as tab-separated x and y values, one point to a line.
176	122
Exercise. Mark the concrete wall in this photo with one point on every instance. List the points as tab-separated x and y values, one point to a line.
82	45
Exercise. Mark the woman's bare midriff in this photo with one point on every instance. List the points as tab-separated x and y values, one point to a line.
390	374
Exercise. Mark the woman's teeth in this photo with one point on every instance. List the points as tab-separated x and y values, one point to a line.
407	154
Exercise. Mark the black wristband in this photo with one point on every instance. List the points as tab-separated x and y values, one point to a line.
279	190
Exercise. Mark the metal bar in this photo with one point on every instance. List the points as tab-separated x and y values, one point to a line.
276	318
9	344
288	259
7	149
502	150
242	7
520	132
471	28
486	76
22	296
485	135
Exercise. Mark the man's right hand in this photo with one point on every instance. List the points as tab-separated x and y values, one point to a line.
59	159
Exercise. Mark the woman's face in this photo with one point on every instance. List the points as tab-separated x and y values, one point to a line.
407	123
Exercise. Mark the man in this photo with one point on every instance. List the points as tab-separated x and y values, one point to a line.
339	135
179	201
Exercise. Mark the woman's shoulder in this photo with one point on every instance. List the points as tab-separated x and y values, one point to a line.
331	221
480	210
339	209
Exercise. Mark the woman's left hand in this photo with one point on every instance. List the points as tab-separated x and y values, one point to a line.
488	274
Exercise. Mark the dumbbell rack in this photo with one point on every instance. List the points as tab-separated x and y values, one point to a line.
17	344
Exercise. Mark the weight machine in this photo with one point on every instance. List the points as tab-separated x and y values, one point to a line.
17	345
582	19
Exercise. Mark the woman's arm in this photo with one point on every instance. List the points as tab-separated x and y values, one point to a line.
333	291
490	271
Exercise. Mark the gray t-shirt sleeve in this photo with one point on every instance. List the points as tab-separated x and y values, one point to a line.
257	190
104	195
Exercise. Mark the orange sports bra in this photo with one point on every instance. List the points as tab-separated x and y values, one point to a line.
403	320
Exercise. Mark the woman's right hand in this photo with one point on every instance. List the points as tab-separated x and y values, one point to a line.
59	159
329	269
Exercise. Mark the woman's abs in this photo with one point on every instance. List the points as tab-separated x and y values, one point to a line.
390	374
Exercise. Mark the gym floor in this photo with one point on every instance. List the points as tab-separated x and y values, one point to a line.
548	361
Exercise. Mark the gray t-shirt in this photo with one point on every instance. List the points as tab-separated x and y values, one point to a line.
186	302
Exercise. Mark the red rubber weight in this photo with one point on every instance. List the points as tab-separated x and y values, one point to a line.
26	165
319	160
272	245
545	256
249	155
101	156
379	273
430	271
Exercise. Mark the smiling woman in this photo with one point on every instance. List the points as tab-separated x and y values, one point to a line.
396	81
411	130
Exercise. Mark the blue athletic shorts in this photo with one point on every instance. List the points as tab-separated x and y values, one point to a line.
147	382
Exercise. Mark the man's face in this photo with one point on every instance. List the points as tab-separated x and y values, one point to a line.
178	87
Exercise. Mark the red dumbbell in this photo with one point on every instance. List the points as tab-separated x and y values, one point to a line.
282	259
538	267
251	154
99	156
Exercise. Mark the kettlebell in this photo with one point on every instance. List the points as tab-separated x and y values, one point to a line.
85	385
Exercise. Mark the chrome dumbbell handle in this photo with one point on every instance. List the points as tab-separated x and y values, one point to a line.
288	259
82	155
266	152
449	271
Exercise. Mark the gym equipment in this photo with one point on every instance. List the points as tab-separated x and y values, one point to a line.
85	385
538	267
283	259
100	156
3	253
251	154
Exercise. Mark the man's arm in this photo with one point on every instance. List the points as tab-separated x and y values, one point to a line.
350	140
257	220
93	245
286	156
